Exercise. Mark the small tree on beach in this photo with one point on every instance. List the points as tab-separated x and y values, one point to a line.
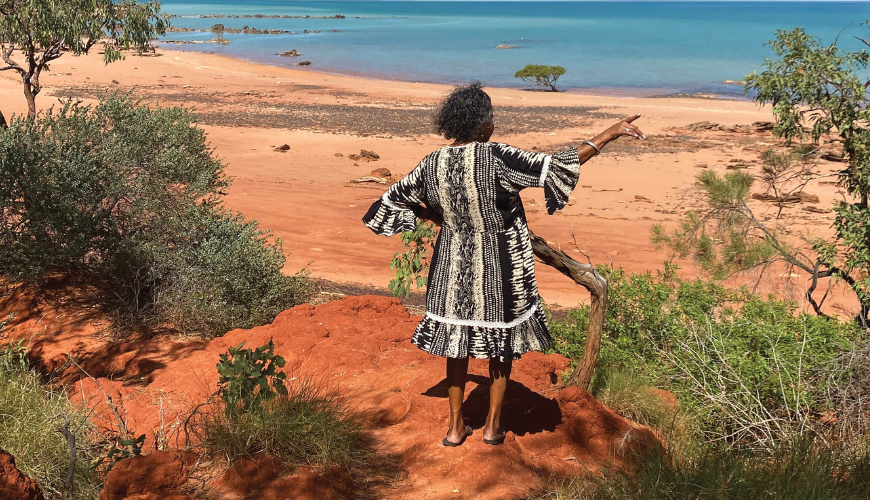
544	76
42	31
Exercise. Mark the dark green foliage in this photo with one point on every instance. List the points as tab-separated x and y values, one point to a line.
132	196
640	308
542	75
701	341
411	266
249	377
804	470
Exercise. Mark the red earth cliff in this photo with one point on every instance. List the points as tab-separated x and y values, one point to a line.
361	346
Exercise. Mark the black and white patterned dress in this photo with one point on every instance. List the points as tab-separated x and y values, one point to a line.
482	299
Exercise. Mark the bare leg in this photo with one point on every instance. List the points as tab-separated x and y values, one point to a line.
457	371
499	374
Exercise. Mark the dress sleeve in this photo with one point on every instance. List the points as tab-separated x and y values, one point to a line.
395	211
557	174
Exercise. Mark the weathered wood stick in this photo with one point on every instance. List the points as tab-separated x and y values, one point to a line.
586	276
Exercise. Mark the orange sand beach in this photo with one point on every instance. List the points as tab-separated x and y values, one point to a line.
305	195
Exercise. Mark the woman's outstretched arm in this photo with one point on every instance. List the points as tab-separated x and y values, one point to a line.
624	128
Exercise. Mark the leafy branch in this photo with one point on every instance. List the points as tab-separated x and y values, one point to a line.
412	265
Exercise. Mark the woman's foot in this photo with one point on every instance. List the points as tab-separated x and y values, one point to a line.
456	439
494	438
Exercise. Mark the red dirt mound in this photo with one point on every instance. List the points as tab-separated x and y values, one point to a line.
158	474
361	346
14	485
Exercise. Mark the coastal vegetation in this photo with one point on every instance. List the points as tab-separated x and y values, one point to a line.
412	265
541	75
816	93
130	197
33	34
772	400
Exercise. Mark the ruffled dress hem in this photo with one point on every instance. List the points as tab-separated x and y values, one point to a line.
450	338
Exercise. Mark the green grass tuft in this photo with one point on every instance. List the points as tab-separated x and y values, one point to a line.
311	425
30	417
804	470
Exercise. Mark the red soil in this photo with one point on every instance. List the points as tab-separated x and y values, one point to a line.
14	485
359	345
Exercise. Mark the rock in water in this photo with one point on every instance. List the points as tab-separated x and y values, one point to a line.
503	46
305	63
290	53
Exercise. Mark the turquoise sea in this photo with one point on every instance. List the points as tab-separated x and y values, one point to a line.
632	48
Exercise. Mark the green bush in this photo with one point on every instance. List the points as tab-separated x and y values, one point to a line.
249	377
30	417
804	470
131	195
308	426
745	365
542	75
262	413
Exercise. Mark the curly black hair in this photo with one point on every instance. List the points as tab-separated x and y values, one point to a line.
461	115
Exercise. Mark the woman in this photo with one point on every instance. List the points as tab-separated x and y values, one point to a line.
482	299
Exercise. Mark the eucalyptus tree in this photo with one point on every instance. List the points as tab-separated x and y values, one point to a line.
33	33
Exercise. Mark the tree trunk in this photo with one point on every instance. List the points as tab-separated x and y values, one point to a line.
3	121
31	99
586	276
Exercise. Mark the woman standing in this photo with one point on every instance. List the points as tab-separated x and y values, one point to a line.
482	299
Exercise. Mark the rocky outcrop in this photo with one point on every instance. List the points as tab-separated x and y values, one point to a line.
14	484
158	475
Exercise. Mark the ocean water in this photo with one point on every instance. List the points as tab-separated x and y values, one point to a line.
631	48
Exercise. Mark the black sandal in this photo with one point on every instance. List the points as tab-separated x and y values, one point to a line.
468	432
499	440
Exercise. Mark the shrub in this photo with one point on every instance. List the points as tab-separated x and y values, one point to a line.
308	426
250	376
745	365
132	196
804	470
544	76
29	423
296	421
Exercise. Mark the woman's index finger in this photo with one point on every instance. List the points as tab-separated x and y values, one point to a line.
632	118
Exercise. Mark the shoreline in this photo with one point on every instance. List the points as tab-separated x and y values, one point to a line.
618	92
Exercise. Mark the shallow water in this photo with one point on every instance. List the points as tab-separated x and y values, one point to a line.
633	48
